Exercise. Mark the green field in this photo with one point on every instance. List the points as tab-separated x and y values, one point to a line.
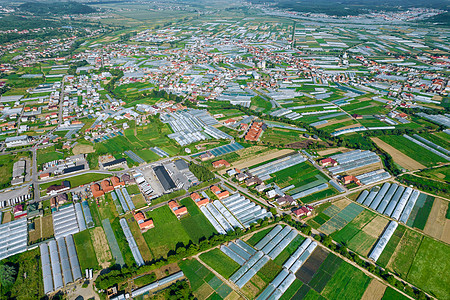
28	282
441	173
341	219
405	252
289	250
203	282
347	283
77	180
429	269
412	150
281	136
220	262
389	250
48	154
85	250
255	238
170	232
391	294
298	175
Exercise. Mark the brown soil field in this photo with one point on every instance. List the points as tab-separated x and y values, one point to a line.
250	290
99	241
6	217
332	150
374	291
332	122
204	291
233	296
47	226
436	220
366	169
349	126
36	233
400	158
375	227
250	161
82	149
342	203
446	234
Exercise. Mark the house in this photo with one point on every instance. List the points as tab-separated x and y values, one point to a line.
176	209
286	200
44	175
53	202
126	179
106	186
349	179
55	189
252	181
221	163
96	192
260	187
144	224
233	171
205	156
357	117
62	198
116	183
223	195
215	189
271	194
241	176
195	197
303	211
202	202
328	162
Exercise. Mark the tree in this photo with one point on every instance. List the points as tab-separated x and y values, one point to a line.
7	275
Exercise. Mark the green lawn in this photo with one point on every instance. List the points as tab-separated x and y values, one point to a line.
412	150
85	250
170	232
220	262
77	180
429	269
48	154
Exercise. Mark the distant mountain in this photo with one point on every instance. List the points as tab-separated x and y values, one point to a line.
56	8
354	7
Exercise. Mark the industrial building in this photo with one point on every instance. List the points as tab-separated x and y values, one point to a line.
164	178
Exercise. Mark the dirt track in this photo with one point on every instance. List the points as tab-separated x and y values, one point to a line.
400	158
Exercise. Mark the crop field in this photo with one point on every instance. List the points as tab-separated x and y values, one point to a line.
204	283
85	250
341	219
326	276
170	232
147	155
319	195
362	232
260	104
398	156
437	224
281	136
441	173
220	262
421	211
391	294
412	150
255	238
429	270
403	256
298	175
101	247
437	139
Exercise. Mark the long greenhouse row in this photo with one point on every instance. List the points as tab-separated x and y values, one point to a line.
70	219
132	243
124	199
244	210
286	277
157	284
391	200
60	264
265	170
431	149
13	238
353	160
382	242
